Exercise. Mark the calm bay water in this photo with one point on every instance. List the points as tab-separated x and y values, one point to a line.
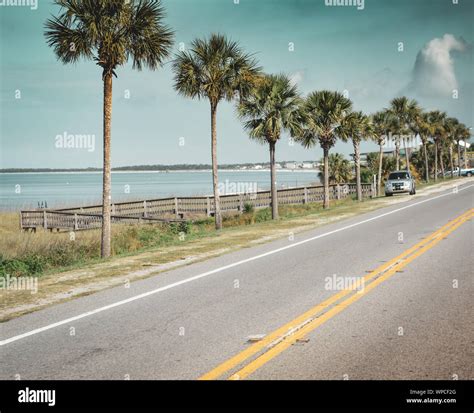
25	190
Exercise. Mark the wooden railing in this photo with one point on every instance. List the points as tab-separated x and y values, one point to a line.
179	208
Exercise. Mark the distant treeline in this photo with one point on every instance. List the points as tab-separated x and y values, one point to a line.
177	167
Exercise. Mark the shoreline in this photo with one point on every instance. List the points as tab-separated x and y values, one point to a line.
159	171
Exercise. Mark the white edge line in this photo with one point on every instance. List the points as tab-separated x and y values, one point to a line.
206	274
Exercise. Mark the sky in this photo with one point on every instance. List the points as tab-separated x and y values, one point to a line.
376	51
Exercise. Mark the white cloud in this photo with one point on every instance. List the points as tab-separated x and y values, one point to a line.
433	73
296	78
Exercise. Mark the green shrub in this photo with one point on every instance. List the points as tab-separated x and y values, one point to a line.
248	208
15	268
25	266
179	227
35	263
263	215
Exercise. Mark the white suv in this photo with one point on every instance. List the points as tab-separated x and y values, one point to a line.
399	182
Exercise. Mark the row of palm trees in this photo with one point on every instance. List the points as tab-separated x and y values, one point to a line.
406	118
216	69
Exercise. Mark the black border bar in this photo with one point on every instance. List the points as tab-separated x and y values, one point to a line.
245	395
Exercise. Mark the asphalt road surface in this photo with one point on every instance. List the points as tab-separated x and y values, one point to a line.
411	317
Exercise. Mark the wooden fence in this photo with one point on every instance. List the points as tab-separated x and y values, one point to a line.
178	209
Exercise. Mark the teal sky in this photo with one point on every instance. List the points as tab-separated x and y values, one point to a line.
338	48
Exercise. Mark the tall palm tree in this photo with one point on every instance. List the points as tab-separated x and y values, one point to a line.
437	120
458	138
215	69
465	135
109	33
460	133
442	146
272	107
424	128
340	170
383	124
405	110
413	113
324	113
357	127
451	126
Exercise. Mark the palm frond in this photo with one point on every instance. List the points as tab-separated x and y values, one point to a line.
215	68
324	112
110	32
273	106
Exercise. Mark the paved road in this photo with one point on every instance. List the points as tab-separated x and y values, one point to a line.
185	323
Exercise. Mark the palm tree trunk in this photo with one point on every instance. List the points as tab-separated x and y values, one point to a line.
427	168
459	159
106	176
451	162
436	161
274	192
379	177
357	169
407	156
326	178
441	160
465	155
397	153
215	177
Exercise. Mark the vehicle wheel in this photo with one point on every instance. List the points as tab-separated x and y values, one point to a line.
469	174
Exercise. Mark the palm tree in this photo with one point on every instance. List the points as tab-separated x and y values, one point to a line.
460	133
465	135
357	126
424	128
405	110
451	126
383	124
215	69
110	33
442	147
458	137
413	113
272	107
340	170
324	112
437	120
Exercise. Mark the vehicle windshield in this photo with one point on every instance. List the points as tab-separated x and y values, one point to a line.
398	175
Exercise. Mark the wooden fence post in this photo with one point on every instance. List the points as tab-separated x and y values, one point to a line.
145	215
176	207
75	222
208	207
241	204
338	194
305	199
45	220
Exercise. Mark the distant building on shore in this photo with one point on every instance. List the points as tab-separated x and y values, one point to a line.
300	165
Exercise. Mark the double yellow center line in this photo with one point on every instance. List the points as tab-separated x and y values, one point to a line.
261	352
